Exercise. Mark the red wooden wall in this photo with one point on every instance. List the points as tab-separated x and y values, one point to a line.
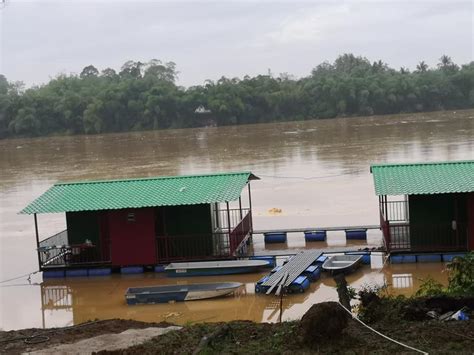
132	240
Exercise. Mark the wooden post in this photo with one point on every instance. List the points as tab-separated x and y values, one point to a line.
342	291
37	241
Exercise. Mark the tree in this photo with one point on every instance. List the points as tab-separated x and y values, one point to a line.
93	122
131	69
404	70
109	73
156	69
3	85
422	67
89	72
144	96
379	67
446	64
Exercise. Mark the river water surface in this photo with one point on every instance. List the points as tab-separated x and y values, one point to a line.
316	172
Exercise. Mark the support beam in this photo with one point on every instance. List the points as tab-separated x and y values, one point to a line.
250	210
218	222
228	217
37	241
240	207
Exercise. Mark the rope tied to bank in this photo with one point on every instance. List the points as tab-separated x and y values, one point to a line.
19	277
382	335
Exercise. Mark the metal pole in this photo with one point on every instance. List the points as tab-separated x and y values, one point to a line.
456	214
240	207
37	241
218	225
228	216
228	225
250	211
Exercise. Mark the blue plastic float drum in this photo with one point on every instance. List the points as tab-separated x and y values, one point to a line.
275	237
315	236
359	234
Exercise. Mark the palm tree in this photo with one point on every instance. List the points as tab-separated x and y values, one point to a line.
422	67
445	61
404	70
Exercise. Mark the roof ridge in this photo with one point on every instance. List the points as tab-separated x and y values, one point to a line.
85	182
443	162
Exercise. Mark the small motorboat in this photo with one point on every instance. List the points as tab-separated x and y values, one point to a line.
342	263
208	268
179	293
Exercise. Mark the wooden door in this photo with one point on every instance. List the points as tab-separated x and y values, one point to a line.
132	236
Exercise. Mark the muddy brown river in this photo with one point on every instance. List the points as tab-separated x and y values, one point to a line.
315	172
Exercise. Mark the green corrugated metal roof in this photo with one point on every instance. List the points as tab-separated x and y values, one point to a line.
423	178
137	193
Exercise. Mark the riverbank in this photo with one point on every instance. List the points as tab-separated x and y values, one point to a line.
407	324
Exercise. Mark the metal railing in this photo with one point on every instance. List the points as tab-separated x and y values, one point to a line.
55	240
235	216
240	233
192	247
425	237
56	297
395	211
69	255
56	251
219	244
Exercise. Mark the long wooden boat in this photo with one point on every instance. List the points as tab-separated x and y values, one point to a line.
206	268
179	293
342	263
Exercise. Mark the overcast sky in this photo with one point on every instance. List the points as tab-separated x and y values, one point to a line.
40	39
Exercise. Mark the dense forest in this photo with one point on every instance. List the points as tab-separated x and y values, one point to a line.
144	96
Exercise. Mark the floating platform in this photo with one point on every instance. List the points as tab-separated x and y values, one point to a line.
313	272
127	270
290	276
423	258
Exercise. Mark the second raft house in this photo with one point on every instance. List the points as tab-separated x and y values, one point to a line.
133	223
426	209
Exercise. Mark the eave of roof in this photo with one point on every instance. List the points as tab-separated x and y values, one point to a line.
140	192
424	178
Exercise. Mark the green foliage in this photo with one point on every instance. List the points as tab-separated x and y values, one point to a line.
430	287
144	96
460	279
376	303
461	275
